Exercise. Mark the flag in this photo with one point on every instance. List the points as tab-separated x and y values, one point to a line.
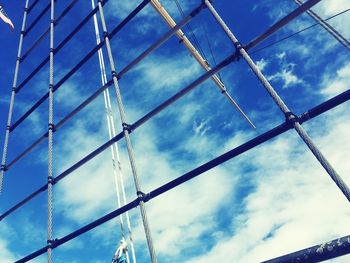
5	18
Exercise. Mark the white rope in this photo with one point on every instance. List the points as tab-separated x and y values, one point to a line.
12	100
117	168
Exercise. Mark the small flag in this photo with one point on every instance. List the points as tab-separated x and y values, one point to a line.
5	18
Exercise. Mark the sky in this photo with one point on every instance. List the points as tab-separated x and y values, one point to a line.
267	202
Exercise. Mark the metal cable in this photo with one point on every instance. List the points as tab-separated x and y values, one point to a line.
127	138
190	30
57	20
342	40
83	104
283	107
200	170
50	138
297	32
117	168
72	71
120	135
59	47
198	57
280	23
12	101
211	49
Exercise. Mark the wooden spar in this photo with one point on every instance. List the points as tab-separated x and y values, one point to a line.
204	64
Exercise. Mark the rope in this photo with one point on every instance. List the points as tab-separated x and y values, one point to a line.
342	40
290	117
117	168
297	32
191	32
280	23
127	138
211	50
50	139
12	101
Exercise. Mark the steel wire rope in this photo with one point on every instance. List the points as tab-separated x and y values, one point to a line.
134	126
12	100
37	19
145	118
57	20
198	57
101	89
273	94
117	167
72	71
127	138
296	33
330	29
50	177
190	30
211	50
155	111
59	47
200	170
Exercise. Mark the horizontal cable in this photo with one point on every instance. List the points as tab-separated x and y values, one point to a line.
164	38
60	123
96	48
25	200
296	33
88	227
75	68
32	6
26	151
101	44
57	20
282	22
164	188
25	115
36	20
331	103
278	130
142	120
325	106
325	251
74	31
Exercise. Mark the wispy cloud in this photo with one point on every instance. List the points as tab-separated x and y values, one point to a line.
335	84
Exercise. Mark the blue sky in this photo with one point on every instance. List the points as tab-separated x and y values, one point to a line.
267	202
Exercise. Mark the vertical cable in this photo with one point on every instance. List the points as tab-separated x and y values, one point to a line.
13	93
331	30
50	138
126	130
198	57
283	107
117	168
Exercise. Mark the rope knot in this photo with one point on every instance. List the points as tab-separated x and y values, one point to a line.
127	127
143	197
291	118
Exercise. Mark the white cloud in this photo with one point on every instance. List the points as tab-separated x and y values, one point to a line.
339	83
169	73
294	199
261	64
331	7
6	255
287	77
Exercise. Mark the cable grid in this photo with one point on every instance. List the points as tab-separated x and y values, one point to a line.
339	246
